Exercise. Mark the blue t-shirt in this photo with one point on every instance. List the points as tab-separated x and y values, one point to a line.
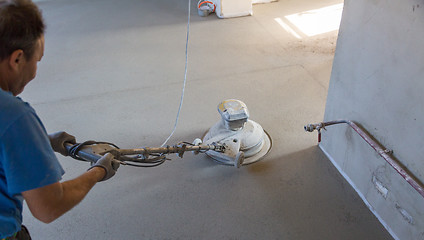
27	160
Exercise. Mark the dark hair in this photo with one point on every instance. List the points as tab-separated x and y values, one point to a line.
21	25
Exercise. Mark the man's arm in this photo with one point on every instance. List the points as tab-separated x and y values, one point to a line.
52	201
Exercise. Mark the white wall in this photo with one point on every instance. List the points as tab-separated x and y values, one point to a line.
378	82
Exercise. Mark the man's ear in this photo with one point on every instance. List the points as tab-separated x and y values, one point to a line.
16	59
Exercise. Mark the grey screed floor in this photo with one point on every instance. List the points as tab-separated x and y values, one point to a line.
113	71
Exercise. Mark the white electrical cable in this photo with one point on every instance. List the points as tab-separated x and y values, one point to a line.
185	76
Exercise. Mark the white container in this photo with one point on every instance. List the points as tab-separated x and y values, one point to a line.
233	8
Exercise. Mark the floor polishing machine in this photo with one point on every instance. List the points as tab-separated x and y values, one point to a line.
235	140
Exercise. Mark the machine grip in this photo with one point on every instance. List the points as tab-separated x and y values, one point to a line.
83	155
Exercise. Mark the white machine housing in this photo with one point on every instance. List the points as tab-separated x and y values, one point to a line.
245	140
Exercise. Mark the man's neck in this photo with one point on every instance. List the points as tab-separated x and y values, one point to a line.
4	84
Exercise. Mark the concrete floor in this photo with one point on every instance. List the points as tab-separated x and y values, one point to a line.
113	71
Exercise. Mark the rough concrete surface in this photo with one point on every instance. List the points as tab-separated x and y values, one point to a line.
113	71
377	81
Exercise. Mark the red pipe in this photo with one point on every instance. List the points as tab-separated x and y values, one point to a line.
384	153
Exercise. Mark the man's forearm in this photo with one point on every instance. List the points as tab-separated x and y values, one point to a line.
76	189
50	202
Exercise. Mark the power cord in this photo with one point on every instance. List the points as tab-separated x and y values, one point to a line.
157	159
185	76
74	149
152	160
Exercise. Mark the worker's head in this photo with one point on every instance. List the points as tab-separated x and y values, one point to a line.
21	43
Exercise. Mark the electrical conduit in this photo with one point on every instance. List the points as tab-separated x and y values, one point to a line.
384	153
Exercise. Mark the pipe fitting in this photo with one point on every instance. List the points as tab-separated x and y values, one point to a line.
309	127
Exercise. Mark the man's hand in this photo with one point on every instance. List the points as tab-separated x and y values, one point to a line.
50	202
109	164
58	140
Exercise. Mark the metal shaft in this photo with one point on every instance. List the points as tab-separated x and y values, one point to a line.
85	155
180	149
169	149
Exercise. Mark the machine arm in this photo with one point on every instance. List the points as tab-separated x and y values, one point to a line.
91	151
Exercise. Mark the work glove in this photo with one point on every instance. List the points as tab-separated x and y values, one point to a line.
58	140
109	164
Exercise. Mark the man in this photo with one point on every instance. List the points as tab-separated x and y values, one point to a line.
29	169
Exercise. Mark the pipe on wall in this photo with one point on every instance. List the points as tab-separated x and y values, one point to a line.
383	152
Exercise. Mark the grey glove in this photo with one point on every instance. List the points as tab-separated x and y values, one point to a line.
109	164
58	140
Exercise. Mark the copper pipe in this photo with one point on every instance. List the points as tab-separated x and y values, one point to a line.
382	151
